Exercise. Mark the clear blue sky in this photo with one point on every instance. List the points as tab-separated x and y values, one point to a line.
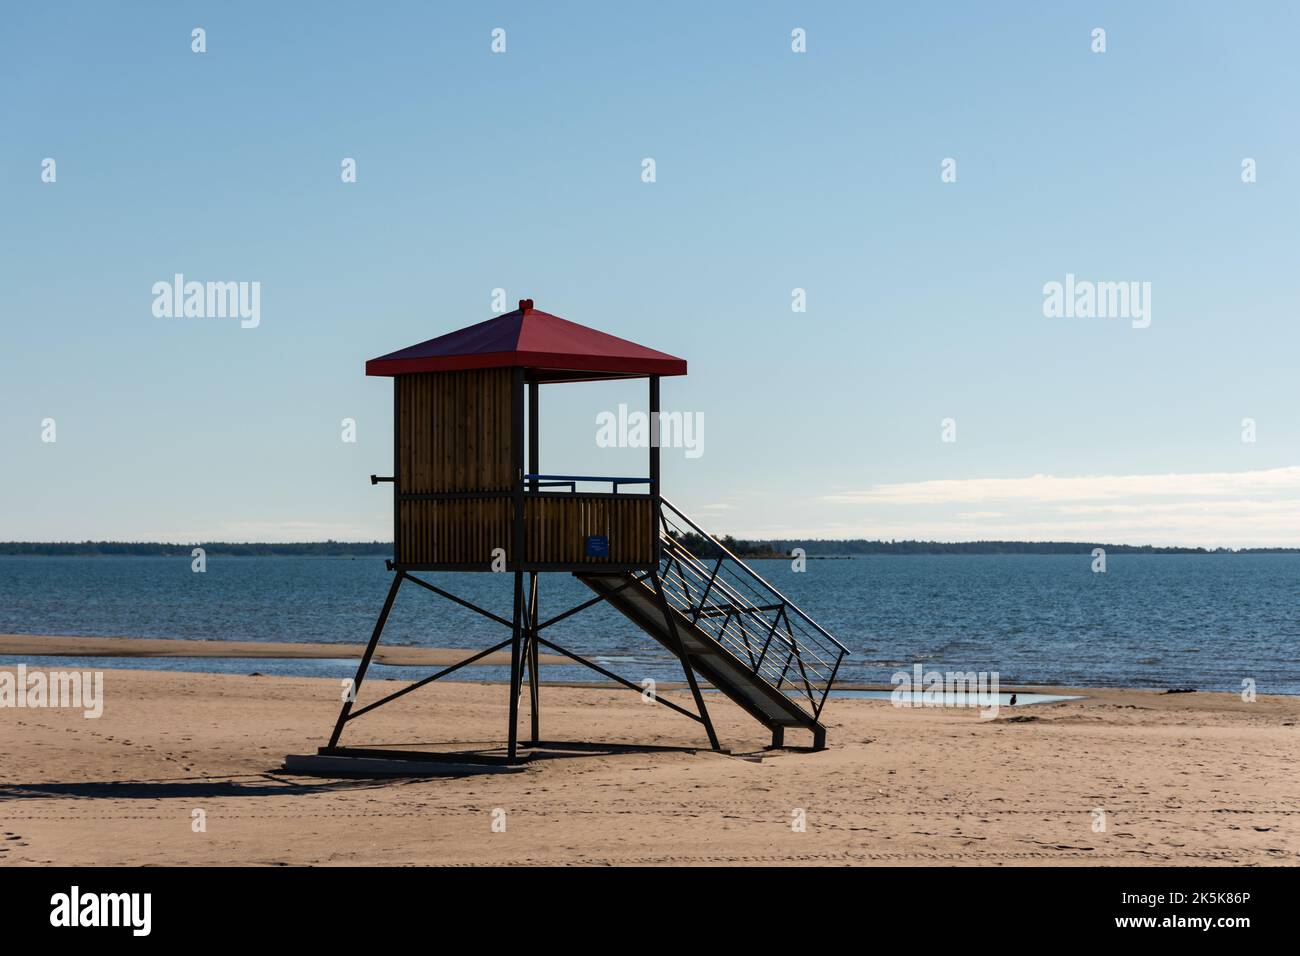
775	170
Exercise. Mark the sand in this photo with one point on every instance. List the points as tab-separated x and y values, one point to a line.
1181	779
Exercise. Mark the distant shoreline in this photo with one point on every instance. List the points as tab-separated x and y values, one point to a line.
814	548
397	655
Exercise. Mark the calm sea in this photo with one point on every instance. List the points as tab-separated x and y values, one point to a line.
1203	621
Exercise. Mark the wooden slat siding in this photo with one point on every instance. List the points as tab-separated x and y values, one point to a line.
466	532
454	435
456	532
458	424
568	545
559	525
618	540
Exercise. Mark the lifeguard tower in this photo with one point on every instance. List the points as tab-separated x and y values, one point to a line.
468	497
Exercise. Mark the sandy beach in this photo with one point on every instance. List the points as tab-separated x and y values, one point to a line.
1180	779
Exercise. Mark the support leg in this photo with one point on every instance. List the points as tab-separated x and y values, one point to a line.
534	678
778	737
686	664
365	658
515	655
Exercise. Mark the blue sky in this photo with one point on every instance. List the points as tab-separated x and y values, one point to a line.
775	170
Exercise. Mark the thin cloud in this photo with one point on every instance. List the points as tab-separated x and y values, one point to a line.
1046	489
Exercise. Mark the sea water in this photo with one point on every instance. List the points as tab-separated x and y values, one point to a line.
1204	621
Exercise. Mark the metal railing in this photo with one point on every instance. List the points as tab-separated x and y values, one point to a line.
571	481
758	625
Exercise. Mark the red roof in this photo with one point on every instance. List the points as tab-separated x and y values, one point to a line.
555	348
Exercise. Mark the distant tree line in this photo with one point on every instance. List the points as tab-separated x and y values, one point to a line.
701	546
324	549
697	544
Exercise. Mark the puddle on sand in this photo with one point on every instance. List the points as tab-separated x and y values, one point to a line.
1004	699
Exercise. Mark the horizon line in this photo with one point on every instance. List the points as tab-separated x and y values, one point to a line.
377	542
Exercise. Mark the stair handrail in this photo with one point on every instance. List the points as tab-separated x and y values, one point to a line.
756	576
736	602
742	603
798	649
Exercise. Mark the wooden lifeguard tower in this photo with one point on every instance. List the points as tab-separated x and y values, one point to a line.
468	496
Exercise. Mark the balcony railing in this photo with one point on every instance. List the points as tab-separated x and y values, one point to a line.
571	481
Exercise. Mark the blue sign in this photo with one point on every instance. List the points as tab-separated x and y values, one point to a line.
597	546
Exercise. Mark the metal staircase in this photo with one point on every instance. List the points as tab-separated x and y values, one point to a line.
731	626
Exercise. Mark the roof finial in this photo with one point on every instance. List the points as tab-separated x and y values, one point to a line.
525	305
